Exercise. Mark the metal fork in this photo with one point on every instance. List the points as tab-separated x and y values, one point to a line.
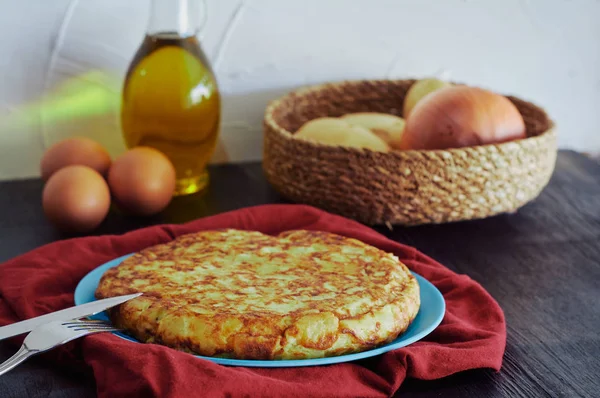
53	334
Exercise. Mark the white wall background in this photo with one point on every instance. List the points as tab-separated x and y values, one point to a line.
546	51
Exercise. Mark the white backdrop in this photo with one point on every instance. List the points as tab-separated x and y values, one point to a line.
546	51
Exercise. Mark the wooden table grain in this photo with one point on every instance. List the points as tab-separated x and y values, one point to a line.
542	264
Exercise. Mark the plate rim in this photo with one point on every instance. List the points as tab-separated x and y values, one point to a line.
88	279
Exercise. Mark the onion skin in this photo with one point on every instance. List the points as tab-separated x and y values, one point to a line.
462	116
419	90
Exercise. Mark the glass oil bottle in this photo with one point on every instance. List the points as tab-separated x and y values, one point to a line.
170	98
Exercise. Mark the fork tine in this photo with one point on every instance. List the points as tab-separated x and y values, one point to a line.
90	325
97	330
94	323
94	328
85	327
87	321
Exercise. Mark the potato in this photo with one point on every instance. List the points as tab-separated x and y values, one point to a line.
335	131
386	126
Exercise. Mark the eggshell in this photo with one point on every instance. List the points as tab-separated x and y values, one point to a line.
74	151
142	181
76	199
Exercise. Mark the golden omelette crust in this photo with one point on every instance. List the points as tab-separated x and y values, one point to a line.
247	295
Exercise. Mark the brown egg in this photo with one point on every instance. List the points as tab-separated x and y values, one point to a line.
142	181
76	199
78	150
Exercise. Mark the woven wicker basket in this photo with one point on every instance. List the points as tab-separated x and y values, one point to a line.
400	187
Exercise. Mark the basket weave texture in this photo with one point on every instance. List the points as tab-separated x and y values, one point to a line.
400	187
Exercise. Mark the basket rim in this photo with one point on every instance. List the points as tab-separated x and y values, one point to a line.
269	120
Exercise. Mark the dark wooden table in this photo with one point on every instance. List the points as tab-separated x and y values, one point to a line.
541	264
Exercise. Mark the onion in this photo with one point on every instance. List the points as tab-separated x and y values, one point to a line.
462	116
419	90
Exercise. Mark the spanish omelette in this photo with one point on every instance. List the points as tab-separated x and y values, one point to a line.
247	295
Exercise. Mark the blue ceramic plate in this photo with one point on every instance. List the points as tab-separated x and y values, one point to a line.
429	317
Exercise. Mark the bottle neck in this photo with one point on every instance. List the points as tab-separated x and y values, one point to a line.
181	18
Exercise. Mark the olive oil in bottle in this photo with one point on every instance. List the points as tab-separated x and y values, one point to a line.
171	100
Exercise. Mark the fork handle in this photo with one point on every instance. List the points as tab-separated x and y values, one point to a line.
16	359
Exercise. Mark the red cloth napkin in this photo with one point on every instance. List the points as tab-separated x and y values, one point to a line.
472	334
